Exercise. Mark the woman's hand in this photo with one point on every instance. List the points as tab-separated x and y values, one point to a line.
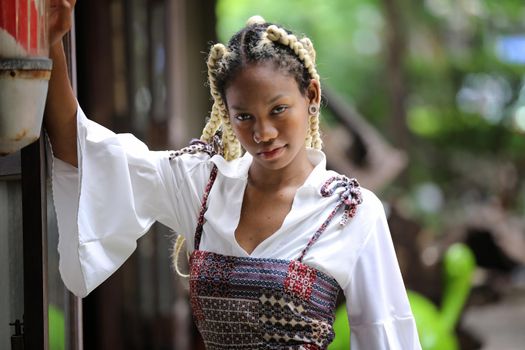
59	19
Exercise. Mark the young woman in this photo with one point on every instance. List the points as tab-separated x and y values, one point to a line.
273	235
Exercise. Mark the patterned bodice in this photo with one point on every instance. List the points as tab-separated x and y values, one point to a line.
251	303
257	303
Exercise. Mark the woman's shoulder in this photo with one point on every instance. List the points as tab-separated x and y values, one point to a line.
196	167
190	167
368	213
369	202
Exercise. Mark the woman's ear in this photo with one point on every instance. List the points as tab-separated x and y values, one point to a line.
313	92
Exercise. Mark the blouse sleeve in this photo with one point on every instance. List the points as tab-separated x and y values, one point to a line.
118	191
378	309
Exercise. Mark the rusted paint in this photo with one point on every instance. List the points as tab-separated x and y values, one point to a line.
13	145
20	135
25	74
23	89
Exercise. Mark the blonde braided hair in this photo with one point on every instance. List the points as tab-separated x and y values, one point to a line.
304	50
219	113
223	61
273	43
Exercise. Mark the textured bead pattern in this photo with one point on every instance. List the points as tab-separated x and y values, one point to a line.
196	145
350	195
349	198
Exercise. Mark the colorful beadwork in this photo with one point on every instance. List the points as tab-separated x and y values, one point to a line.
350	198
196	145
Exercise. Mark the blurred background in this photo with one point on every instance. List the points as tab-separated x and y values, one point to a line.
431	95
423	102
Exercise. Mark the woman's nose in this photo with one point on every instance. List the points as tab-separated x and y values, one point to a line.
264	131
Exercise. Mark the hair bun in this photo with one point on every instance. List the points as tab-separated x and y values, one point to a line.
253	20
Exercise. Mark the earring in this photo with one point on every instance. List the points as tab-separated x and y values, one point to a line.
313	109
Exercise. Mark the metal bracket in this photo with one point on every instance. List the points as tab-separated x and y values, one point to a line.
17	339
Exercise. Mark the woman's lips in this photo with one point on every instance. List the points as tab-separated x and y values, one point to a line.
272	153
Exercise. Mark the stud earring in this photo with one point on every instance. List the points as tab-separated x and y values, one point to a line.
313	109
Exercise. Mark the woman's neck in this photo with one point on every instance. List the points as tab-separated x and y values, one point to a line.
294	174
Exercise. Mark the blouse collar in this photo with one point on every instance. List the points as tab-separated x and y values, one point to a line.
238	168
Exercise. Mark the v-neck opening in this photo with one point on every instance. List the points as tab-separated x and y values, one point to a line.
274	233
229	231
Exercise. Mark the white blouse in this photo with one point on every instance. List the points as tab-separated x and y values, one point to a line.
121	188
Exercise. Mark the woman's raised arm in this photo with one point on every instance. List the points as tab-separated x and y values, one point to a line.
61	104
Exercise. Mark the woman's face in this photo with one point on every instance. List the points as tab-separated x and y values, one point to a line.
269	115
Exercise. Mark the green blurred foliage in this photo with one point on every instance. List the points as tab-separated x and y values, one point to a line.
465	101
334	27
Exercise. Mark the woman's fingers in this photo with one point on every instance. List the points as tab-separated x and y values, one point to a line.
60	19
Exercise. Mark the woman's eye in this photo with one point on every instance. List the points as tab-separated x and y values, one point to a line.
242	117
279	109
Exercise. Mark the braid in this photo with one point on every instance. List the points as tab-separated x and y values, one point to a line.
280	35
305	51
177	248
218	112
232	146
307	44
314	133
216	53
257	42
218	61
213	124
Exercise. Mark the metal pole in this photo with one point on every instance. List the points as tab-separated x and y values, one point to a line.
76	334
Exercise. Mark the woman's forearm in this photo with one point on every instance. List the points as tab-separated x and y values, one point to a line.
61	109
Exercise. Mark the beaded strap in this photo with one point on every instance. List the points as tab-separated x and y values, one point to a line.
204	207
349	198
196	145
213	148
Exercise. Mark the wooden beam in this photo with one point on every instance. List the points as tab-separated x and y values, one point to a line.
34	216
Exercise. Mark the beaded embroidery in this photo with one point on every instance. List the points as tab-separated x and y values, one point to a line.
196	145
350	198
